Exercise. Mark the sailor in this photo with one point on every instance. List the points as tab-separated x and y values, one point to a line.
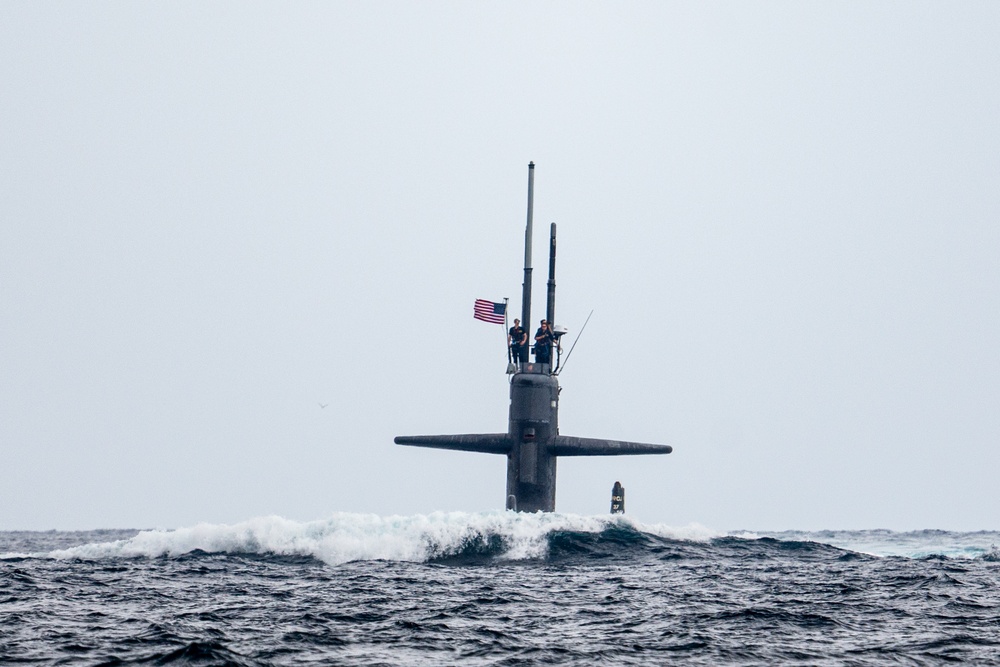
517	341
543	343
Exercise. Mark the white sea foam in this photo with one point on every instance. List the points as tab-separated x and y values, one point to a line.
887	543
346	537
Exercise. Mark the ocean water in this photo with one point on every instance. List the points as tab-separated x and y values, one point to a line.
496	589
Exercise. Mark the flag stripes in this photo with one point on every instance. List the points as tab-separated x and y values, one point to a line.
488	311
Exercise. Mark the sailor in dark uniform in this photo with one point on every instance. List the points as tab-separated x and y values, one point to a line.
543	343
517	341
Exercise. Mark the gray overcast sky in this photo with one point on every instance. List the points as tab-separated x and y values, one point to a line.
215	216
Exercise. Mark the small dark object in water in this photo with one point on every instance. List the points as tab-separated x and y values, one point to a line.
618	499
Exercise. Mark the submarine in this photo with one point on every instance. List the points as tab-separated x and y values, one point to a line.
532	443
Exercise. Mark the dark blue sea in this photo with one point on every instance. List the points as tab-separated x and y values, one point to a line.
496	589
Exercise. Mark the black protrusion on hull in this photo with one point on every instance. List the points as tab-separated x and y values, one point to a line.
512	503
618	499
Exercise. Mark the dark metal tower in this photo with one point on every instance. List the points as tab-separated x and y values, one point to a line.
532	441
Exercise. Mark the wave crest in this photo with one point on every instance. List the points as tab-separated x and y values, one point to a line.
346	537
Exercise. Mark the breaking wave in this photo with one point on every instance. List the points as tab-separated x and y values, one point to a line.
346	537
461	537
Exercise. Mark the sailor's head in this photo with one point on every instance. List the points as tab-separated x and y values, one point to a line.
545	323
517	321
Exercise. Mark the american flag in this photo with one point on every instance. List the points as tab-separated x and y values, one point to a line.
487	311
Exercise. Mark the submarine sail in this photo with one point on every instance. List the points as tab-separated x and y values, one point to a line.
532	442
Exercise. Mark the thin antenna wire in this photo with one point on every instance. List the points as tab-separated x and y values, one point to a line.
573	346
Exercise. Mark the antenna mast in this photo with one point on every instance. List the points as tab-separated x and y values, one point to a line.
550	304
526	289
